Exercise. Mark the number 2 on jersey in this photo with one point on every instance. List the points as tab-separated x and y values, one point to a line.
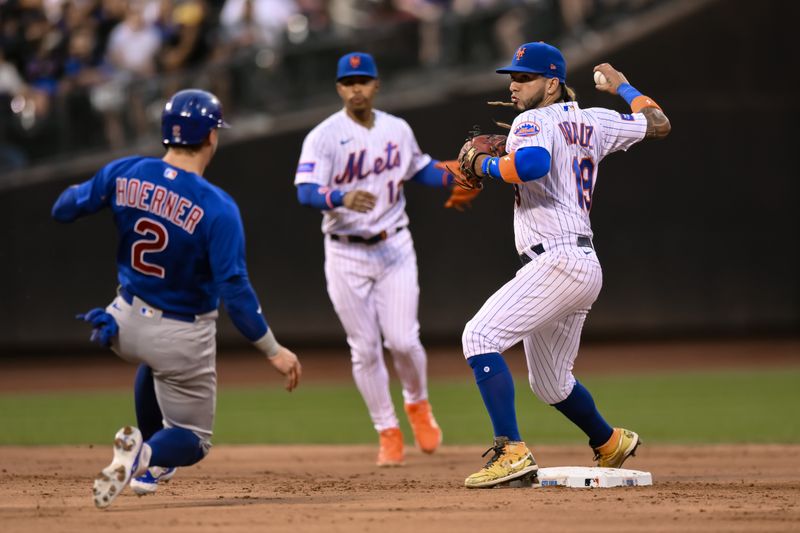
157	241
584	174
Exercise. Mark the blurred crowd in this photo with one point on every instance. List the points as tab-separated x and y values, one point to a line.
76	74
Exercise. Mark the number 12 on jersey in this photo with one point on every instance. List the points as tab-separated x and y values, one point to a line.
584	178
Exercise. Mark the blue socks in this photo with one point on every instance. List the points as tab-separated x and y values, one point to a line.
497	389
175	447
148	413
579	407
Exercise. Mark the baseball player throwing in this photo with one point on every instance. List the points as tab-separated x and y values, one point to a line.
553	153
181	249
353	167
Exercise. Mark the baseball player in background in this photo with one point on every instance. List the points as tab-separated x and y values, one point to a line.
553	150
353	168
181	248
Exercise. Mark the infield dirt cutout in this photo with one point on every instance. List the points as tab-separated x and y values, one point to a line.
338	489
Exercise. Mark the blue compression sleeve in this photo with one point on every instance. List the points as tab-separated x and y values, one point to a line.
312	195
66	208
432	176
242	304
526	164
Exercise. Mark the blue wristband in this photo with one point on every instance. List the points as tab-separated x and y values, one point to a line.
490	167
628	92
337	198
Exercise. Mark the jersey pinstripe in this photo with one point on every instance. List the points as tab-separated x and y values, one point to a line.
558	204
373	288
342	154
546	303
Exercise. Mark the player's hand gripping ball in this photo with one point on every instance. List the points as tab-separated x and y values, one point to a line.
490	144
600	78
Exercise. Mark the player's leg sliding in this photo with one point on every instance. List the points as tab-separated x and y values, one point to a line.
512	458
150	420
171	448
131	458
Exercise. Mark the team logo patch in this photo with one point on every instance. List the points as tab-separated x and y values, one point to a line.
355	61
170	173
305	167
527	129
626	116
520	53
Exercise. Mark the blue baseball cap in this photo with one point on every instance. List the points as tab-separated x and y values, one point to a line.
356	64
538	58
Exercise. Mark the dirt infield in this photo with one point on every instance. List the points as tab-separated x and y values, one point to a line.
336	489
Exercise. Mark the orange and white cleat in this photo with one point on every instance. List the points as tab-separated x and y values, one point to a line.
427	433
391	448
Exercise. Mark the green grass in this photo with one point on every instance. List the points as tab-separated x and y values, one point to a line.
730	406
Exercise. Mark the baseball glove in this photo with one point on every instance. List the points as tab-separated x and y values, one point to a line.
478	144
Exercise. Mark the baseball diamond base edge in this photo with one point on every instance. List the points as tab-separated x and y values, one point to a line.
592	477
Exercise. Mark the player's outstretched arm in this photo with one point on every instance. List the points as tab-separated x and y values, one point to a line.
610	80
359	201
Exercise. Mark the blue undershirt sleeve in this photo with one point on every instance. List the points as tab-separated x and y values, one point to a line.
83	199
243	308
530	162
312	195
432	176
226	253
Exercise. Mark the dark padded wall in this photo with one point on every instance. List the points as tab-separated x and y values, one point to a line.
697	234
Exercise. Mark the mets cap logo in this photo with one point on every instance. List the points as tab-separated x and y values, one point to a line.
355	61
527	129
520	53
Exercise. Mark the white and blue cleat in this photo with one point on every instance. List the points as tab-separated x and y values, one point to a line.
112	480
148	483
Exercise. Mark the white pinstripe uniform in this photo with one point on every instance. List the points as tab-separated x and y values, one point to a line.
546	303
373	288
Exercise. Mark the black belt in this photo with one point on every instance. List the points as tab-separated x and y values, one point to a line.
538	249
375	239
128	297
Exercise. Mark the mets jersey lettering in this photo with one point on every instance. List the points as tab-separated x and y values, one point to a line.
558	204
343	155
355	169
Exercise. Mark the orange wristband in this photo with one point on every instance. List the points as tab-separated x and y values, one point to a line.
508	169
640	102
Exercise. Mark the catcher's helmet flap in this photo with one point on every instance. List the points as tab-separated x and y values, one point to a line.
189	117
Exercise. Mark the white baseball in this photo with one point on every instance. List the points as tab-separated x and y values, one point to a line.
599	78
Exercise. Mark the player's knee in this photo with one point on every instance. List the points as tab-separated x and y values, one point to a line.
551	394
474	340
404	345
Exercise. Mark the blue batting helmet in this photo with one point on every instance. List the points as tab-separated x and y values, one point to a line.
189	117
